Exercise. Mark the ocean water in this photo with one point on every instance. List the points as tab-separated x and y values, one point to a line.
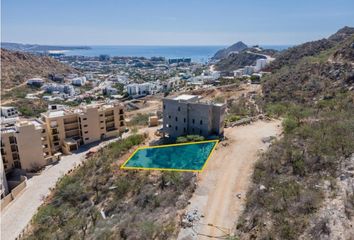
196	53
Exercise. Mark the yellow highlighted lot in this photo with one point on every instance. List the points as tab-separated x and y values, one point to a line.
193	151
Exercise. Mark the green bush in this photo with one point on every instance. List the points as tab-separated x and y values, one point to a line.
289	124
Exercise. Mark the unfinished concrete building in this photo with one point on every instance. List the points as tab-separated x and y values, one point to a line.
186	114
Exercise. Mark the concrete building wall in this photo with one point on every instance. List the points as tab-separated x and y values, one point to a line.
30	147
4	188
182	117
199	119
25	146
91	124
6	150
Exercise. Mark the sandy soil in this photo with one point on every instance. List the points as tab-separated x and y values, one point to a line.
222	187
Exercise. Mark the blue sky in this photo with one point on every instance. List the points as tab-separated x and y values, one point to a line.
177	22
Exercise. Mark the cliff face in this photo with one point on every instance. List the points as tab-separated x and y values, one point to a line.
17	67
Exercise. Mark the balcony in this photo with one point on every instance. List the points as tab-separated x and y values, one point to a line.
111	120
68	129
108	114
70	121
110	129
12	140
14	148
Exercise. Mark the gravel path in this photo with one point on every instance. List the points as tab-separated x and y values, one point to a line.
222	187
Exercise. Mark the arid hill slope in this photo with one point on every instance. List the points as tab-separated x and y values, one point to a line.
17	67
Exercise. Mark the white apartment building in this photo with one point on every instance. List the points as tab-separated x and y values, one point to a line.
9	112
141	89
261	64
79	81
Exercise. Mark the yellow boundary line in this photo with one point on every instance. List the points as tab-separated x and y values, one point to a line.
169	169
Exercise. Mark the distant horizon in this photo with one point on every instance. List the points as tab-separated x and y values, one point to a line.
141	45
171	23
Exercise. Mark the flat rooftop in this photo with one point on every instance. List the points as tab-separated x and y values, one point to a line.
57	113
185	97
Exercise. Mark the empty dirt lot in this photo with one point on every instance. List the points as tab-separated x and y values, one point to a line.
223	185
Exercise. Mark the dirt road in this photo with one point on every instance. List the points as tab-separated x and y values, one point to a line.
223	185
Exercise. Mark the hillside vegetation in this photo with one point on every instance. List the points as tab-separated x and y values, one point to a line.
136	204
17	67
303	186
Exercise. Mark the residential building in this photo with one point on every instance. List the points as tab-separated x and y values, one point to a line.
238	73
4	187
186	114
179	60
36	82
141	89
172	83
260	64
9	112
61	88
25	145
108	90
79	81
248	70
70	128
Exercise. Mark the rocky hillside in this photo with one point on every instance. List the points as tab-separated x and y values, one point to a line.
303	186
293	55
312	71
223	53
17	67
244	58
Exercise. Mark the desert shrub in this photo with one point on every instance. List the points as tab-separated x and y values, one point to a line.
139	119
276	109
289	125
189	138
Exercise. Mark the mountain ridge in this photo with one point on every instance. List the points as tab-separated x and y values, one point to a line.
236	47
